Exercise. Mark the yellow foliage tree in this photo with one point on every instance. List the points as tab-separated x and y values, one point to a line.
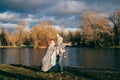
94	25
42	33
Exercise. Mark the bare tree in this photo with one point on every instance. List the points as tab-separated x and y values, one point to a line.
115	19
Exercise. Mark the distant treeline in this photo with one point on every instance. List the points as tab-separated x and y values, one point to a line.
95	30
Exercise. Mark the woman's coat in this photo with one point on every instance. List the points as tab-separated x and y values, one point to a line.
48	57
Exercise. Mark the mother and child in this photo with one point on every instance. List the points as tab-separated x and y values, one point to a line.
54	54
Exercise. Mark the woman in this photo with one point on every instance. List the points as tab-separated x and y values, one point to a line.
49	59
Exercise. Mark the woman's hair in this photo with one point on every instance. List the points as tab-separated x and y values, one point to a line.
50	41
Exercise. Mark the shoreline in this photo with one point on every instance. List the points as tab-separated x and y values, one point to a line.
42	47
21	47
13	72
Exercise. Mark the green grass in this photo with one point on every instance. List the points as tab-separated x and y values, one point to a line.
112	47
31	46
16	46
22	72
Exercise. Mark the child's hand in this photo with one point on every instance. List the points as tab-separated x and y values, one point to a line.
69	44
65	56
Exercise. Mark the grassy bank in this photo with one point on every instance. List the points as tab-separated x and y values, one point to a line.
16	46
67	46
21	47
20	72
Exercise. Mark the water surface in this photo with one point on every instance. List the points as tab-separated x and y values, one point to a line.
82	57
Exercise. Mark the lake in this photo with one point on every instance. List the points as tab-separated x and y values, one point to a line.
79	57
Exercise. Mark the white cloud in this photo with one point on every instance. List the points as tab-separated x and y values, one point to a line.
8	16
59	12
8	25
66	22
14	17
105	15
66	8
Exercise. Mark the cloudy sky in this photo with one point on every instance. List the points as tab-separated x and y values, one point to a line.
59	12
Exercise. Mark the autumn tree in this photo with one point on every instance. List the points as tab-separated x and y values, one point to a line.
12	39
93	26
41	33
28	40
18	37
115	19
7	35
21	34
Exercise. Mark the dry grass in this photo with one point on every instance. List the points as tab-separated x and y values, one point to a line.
21	72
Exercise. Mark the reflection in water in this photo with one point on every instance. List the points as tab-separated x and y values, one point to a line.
117	58
82	57
2	56
21	56
98	58
73	57
93	58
